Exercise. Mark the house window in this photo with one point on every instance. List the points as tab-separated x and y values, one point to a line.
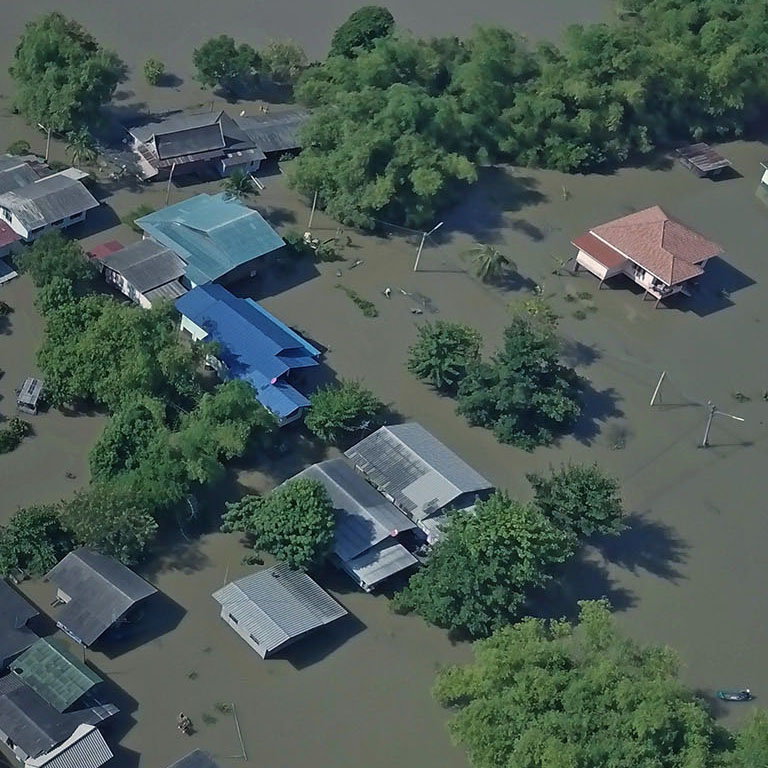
255	639
232	619
6	214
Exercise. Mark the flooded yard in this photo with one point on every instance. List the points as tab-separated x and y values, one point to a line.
689	570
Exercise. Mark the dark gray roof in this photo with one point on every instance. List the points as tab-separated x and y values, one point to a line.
102	590
15	612
145	265
416	470
172	291
34	724
187	136
48	200
363	516
277	605
15	172
86	748
275	131
196	759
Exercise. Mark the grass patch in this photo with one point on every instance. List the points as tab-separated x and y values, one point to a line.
584	295
580	314
368	308
223	707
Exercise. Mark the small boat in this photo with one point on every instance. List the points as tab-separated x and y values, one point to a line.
741	694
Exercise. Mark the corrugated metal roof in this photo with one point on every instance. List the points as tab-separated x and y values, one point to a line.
172	291
145	265
17	175
275	131
86	748
196	759
364	518
204	138
172	124
414	468
278	604
102	590
15	612
213	234
255	346
54	674
379	563
48	200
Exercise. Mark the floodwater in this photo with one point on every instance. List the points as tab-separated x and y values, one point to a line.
689	572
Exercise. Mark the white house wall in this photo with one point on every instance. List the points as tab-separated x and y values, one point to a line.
195	331
118	281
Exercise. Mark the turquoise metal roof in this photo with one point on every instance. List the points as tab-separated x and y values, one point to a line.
213	234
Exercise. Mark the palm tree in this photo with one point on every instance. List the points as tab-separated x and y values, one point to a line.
81	148
490	262
239	184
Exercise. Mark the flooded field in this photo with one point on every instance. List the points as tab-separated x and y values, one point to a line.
690	571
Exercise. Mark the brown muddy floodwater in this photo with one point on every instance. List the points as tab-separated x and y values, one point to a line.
690	571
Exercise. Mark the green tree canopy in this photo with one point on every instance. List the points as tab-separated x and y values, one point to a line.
63	76
283	60
544	694
294	523
101	351
220	62
580	498
342	410
53	257
524	394
481	571
361	30
34	540
490	263
750	749
111	520
443	353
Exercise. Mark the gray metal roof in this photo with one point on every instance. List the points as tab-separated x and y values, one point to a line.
102	590
275	131
48	200
415	469
189	142
173	124
172	290
379	563
87	749
196	759
15	612
146	265
30	391
15	172
277	605
363	516
33	724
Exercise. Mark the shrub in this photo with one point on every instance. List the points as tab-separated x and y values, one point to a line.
18	147
154	69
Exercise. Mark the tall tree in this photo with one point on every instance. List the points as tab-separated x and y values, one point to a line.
284	60
580	498
481	571
111	520
524	394
363	27
52	256
294	523
220	62
33	540
81	147
443	353
343	410
63	76
551	694
239	184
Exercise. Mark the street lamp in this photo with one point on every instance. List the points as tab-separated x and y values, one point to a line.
47	141
424	236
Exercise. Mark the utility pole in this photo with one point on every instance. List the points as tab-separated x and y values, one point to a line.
424	236
168	188
657	391
712	413
47	140
312	213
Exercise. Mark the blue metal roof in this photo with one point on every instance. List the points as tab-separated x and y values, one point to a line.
255	346
213	234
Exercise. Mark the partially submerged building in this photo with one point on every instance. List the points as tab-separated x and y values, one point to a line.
217	237
420	475
29	394
49	710
15	613
368	526
275	607
655	251
214	143
97	592
34	200
146	272
253	345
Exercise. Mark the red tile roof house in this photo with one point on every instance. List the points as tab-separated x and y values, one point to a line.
658	253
